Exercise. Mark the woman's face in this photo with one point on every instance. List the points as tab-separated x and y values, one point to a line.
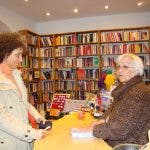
15	58
124	70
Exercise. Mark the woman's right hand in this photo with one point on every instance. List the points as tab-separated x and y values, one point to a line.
40	134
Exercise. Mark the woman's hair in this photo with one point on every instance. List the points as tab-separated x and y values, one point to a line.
136	63
9	41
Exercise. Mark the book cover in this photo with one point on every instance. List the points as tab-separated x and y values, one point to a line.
95	62
81	73
79	133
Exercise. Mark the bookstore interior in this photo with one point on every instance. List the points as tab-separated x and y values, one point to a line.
73	63
71	76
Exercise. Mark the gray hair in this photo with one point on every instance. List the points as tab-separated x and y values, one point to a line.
136	63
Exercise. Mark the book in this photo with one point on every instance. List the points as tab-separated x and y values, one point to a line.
81	74
95	62
79	133
36	74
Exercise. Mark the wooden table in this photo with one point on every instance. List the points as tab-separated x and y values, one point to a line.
59	137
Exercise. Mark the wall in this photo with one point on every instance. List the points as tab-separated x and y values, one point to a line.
94	23
14	21
4	27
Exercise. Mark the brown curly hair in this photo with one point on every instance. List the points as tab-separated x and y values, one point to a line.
9	41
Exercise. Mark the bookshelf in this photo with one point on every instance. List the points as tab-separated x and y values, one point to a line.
129	40
31	67
87	49
65	63
47	68
71	63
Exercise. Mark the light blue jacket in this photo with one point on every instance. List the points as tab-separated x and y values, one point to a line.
15	131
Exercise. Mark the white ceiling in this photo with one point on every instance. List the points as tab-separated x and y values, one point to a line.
63	9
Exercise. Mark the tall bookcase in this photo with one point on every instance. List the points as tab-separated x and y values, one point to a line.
128	40
31	69
87	49
72	62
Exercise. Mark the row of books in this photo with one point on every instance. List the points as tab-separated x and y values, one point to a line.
108	61
32	39
33	51
65	74
46	41
79	38
65	62
111	36
46	52
33	74
136	35
33	87
65	85
79	50
92	37
88	74
124	48
91	62
87	50
25	61
120	36
48	85
47	97
47	63
87	38
65	39
61	74
65	51
87	85
33	63
47	74
33	98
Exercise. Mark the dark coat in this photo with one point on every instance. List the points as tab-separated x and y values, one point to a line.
129	115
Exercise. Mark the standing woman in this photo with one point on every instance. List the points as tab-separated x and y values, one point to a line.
15	131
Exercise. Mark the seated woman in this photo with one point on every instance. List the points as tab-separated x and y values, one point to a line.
128	118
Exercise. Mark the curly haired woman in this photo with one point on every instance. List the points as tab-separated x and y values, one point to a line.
15	131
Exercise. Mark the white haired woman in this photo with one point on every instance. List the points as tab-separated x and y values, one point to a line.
128	119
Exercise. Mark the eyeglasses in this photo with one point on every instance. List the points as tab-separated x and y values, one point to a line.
123	67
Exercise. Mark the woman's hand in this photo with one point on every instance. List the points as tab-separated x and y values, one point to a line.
101	121
40	134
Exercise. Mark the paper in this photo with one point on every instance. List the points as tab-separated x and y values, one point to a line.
79	133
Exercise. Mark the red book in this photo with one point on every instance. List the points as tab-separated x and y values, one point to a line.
81	74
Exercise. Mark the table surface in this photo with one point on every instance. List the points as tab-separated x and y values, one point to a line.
59	137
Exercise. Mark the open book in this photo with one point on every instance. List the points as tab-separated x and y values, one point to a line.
79	133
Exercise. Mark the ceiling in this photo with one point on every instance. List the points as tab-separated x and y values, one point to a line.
63	9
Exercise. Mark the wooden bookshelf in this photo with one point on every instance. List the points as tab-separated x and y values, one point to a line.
31	70
129	40
71	63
